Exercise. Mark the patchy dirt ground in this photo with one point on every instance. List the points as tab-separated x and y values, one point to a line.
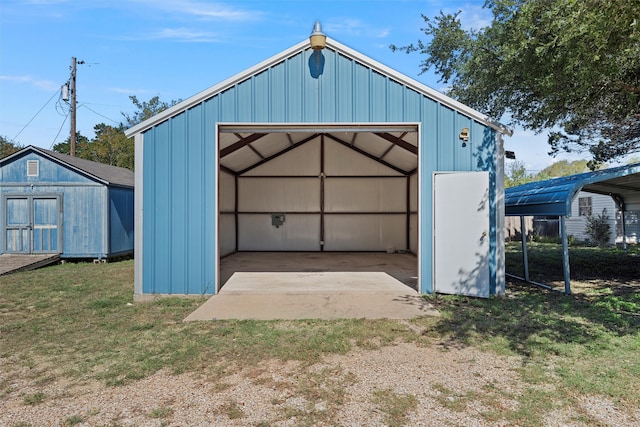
405	384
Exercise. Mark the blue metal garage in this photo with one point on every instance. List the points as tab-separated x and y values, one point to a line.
319	149
52	203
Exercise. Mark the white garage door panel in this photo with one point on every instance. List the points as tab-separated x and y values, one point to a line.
364	232
279	194
365	195
461	233
298	233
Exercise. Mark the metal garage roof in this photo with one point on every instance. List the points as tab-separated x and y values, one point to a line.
553	197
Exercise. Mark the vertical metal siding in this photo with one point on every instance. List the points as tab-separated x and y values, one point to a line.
177	187
261	98
379	95
395	101
361	93
344	84
196	167
120	220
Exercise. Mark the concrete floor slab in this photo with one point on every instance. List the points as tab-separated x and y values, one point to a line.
313	295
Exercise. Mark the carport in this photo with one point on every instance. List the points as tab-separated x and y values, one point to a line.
554	197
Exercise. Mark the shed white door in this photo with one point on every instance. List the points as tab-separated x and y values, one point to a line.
461	233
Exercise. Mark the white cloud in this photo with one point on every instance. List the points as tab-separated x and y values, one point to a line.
353	27
472	15
202	9
128	91
184	35
47	85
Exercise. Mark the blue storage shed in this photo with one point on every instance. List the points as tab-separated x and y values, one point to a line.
58	204
319	149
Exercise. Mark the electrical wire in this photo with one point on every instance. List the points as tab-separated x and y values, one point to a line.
59	130
95	112
29	122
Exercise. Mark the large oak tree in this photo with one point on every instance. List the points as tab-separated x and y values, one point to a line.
569	66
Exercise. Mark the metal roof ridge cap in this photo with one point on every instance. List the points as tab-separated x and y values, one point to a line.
217	88
421	87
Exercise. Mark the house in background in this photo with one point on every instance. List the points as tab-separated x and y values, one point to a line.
52	203
586	203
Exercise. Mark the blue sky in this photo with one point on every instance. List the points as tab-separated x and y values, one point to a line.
177	48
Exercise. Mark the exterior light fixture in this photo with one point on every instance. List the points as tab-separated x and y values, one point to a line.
318	39
464	134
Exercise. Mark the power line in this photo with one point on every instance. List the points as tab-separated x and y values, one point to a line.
59	130
101	115
29	122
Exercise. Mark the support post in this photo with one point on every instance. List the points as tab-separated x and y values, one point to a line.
624	231
565	255
72	136
525	255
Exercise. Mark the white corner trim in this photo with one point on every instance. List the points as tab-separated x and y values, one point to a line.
500	233
138	209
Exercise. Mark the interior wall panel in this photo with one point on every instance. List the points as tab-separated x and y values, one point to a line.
365	194
227	192
278	194
413	194
298	233
227	234
341	160
344	232
303	160
413	234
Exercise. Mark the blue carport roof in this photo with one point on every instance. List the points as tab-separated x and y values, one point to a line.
553	197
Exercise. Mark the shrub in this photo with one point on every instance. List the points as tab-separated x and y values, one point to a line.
598	228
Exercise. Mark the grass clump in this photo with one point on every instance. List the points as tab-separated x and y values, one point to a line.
161	412
34	399
395	407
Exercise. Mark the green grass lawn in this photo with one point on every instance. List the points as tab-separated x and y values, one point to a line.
78	322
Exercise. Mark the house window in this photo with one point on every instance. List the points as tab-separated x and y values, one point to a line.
584	206
33	168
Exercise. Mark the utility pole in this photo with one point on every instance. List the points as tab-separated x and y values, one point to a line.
72	139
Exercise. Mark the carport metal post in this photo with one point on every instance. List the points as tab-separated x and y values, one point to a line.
565	255
525	255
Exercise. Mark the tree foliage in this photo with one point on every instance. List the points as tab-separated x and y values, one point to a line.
516	173
7	147
110	145
563	168
571	65
146	109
